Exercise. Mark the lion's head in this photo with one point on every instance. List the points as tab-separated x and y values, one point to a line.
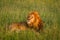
34	20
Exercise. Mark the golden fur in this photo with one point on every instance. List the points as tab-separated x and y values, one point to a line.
18	26
34	21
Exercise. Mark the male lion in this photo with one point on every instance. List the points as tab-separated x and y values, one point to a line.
34	21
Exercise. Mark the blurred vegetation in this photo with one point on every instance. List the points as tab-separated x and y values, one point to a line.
17	10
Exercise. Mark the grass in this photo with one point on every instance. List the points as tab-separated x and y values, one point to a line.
17	10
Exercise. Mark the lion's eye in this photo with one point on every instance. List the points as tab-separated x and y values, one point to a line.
32	16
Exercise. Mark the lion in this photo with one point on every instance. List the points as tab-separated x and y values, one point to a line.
34	21
21	26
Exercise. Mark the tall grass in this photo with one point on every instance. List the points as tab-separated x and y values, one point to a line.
17	10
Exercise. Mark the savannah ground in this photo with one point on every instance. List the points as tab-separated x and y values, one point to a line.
17	10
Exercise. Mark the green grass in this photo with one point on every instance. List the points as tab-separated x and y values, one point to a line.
17	10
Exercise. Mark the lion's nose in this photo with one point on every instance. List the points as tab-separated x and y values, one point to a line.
28	18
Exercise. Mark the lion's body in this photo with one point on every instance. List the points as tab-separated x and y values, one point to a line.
34	21
18	26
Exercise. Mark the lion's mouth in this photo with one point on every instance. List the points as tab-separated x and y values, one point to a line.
28	21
